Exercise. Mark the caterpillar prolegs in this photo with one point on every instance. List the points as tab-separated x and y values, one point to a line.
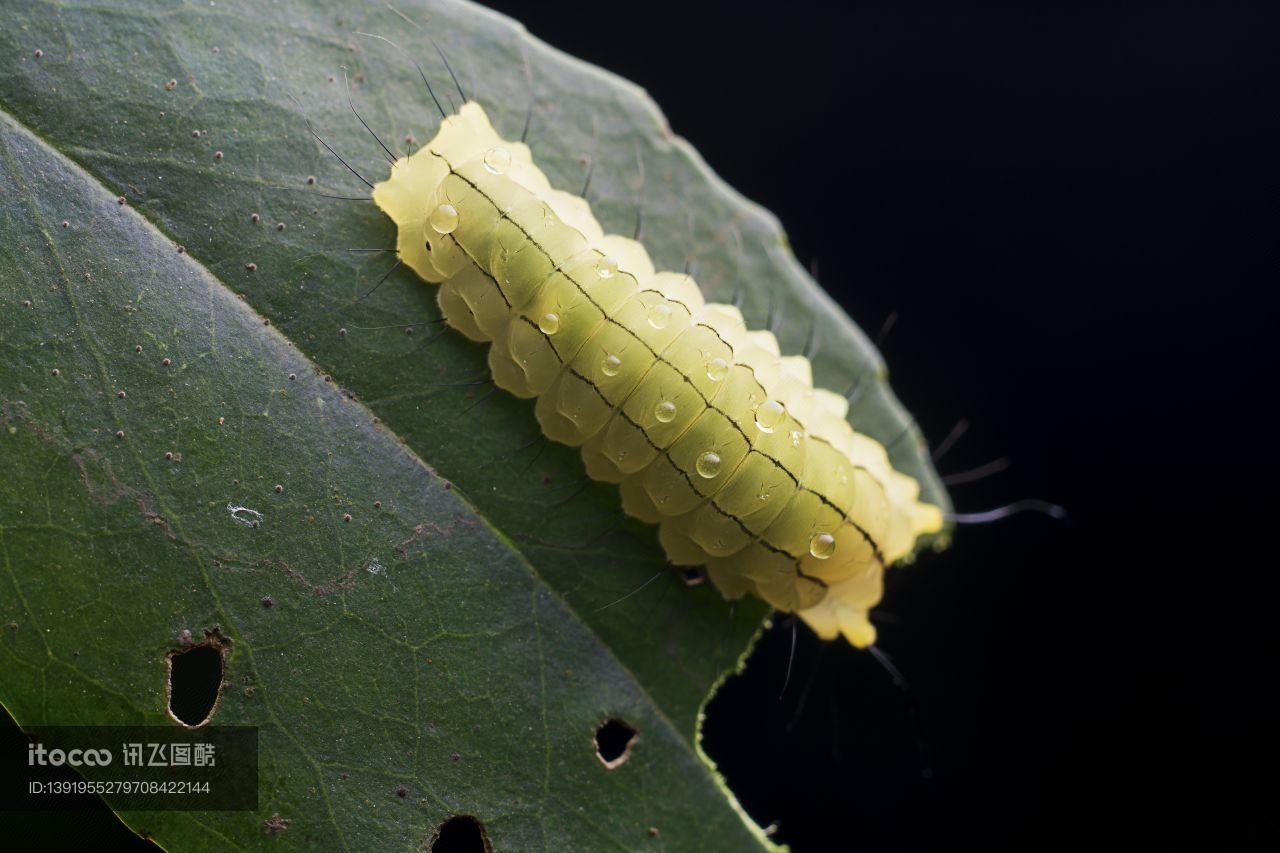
708	430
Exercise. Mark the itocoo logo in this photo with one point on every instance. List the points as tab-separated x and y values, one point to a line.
38	755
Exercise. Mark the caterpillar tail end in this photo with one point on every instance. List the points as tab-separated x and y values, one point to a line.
844	610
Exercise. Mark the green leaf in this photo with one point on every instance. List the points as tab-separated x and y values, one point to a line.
541	608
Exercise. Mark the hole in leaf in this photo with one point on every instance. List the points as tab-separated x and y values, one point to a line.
195	680
460	834
614	740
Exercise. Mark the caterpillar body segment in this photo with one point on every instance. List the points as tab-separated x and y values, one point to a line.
708	430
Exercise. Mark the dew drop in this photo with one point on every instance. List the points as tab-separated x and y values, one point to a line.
497	160
717	369
796	435
709	464
611	365
606	267
444	219
550	323
659	315
822	545
665	412
769	414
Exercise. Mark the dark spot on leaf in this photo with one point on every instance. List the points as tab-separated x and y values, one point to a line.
166	362
119	433
66	224
344	776
311	179
171	85
279	226
120	200
26	303
460	834
377	504
195	679
408	330
195	134
39	53
217	155
137	347
279	488
253	217
120	394
456	758
614	740
168	457
346	516
692	575
251	267
402	791
268	601
182	250
292	376
342	333
56	372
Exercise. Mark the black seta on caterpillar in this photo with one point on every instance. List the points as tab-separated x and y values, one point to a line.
708	430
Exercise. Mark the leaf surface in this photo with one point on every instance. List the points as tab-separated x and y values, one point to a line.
464	637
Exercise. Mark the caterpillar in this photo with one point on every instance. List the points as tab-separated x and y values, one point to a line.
709	431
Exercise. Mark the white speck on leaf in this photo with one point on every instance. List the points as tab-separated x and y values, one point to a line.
244	515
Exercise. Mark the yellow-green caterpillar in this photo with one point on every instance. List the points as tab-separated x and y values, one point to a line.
711	434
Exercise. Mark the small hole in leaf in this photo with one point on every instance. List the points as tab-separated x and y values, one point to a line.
460	834
614	740
195	683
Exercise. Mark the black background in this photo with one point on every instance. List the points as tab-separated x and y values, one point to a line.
1071	211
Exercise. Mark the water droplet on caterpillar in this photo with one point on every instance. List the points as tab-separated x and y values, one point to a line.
550	323
796	435
822	545
659	315
497	160
717	369
709	464
606	267
444	219
665	411
611	365
769	414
